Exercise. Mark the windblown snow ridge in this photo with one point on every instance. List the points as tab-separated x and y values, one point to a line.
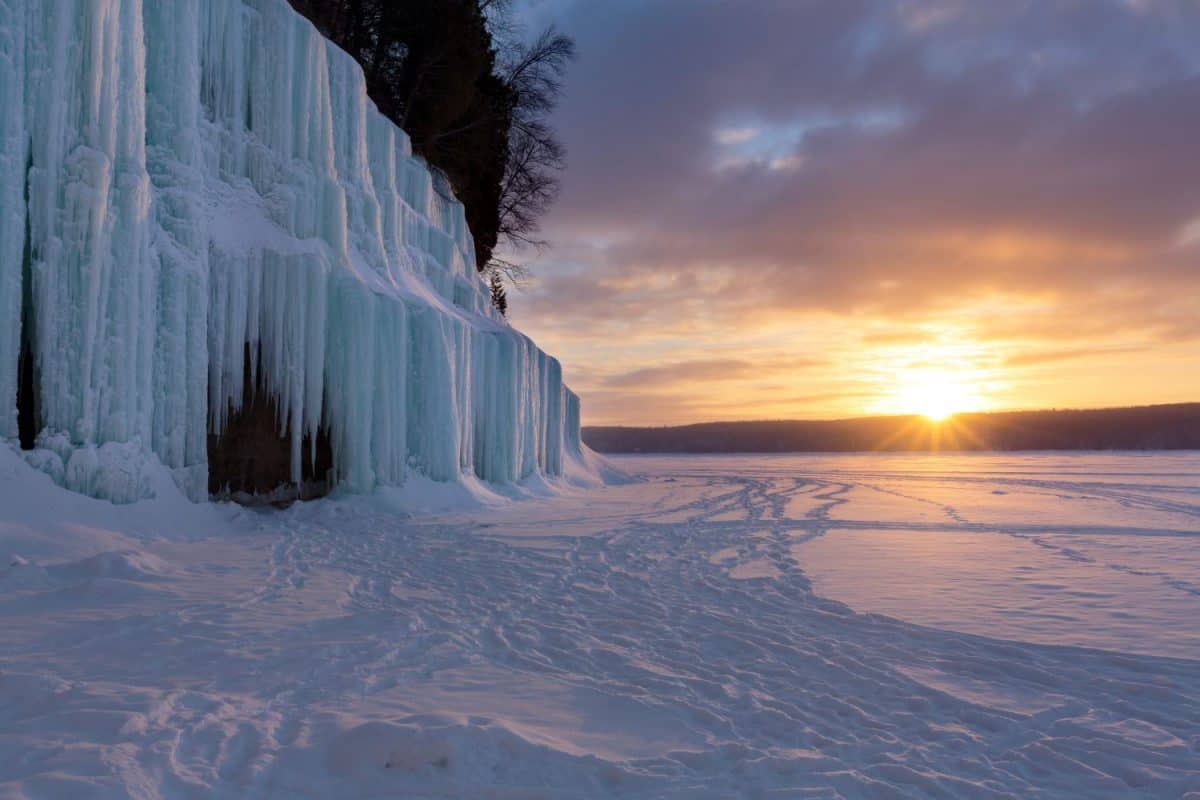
182	184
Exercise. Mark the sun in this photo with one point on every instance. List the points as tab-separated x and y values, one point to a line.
934	394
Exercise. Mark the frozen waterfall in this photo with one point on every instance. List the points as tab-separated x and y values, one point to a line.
185	183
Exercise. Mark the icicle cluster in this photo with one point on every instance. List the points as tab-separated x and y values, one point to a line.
181	178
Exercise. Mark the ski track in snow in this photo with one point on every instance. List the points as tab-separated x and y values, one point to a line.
658	639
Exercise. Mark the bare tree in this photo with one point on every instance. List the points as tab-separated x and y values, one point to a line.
534	74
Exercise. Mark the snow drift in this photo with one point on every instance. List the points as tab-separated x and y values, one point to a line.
183	185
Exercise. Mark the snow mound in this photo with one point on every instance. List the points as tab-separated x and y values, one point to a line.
130	565
475	757
127	565
21	574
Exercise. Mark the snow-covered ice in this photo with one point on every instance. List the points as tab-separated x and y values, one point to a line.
183	182
792	626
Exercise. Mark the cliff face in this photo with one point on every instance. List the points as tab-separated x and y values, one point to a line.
203	221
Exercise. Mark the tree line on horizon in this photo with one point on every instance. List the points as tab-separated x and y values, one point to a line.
1161	427
474	97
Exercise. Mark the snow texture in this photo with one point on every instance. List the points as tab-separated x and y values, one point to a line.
666	638
180	179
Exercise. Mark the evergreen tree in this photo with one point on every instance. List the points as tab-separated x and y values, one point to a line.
496	285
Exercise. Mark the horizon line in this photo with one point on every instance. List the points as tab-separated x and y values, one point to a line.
957	414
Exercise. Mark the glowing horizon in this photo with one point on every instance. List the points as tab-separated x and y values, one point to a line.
643	383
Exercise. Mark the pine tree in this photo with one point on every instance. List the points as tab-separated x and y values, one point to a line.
499	297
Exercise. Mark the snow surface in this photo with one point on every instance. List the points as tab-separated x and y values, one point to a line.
180	179
678	636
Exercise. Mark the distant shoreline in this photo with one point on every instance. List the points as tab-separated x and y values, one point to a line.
1173	426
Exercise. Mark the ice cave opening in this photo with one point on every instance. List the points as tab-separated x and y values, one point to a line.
250	458
27	405
27	384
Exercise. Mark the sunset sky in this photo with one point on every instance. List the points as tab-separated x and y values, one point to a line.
824	209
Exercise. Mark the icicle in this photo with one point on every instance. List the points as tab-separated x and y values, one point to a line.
192	202
14	154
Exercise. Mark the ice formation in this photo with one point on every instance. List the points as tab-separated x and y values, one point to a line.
179	180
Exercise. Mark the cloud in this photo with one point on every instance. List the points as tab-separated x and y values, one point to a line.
1023	171
736	136
682	372
706	370
1037	358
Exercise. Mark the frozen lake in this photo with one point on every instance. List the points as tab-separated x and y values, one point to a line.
1095	550
780	626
